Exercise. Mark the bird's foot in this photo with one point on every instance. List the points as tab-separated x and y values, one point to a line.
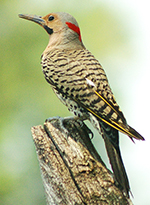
79	122
75	120
60	121
88	131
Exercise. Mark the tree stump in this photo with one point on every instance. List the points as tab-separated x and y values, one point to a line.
72	171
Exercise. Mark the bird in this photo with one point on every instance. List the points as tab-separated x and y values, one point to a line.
80	82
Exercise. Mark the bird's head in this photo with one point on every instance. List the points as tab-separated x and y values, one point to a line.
62	28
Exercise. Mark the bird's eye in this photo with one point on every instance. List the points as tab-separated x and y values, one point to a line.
50	18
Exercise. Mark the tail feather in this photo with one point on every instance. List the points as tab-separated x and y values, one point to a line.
134	134
111	139
117	166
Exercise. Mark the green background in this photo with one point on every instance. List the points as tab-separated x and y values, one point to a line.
115	33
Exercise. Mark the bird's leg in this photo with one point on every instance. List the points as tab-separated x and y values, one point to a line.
80	122
61	122
64	120
74	119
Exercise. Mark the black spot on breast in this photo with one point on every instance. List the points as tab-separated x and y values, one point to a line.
75	113
75	107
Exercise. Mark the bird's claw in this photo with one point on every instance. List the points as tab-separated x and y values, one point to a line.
61	120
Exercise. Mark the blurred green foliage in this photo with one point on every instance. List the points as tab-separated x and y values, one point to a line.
25	97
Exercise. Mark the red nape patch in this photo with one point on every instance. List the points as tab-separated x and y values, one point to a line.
74	28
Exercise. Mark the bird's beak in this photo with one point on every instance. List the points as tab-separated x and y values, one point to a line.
36	19
39	20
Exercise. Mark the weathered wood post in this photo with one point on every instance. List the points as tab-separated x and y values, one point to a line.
72	171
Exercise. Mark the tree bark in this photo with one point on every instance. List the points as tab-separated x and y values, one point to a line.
72	171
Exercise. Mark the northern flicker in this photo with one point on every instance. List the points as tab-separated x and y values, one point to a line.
80	82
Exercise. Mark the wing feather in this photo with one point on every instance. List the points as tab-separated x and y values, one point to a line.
126	129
